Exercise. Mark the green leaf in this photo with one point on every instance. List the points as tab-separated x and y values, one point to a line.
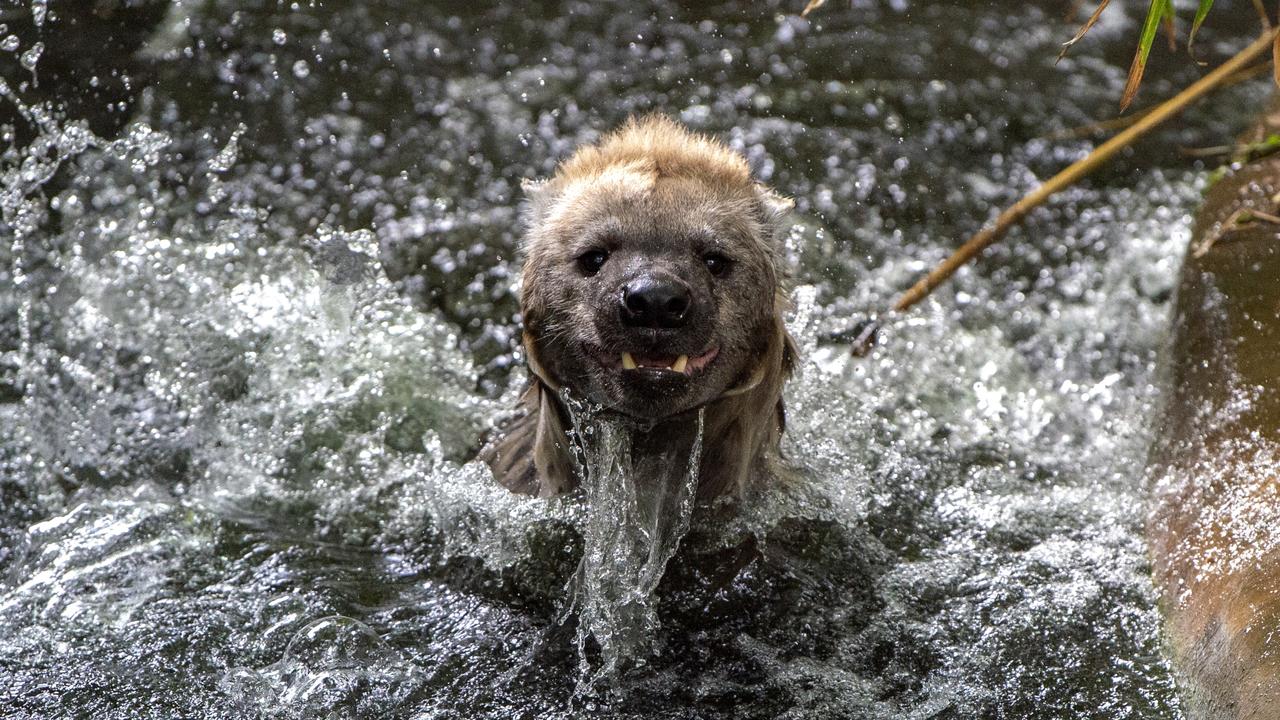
1149	27
1201	12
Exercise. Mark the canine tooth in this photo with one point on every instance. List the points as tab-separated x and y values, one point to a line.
628	362
680	363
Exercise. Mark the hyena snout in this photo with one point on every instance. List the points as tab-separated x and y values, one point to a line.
655	301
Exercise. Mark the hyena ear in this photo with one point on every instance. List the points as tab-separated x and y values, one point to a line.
537	198
551	456
776	207
530	454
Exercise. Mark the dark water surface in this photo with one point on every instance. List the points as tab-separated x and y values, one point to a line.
250	339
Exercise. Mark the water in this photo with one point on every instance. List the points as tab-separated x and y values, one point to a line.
638	513
257	308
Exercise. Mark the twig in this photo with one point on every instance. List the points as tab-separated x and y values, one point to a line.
1084	29
1262	15
991	233
1093	128
1239	152
1211	151
1239	219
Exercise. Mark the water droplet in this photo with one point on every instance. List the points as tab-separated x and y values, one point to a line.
227	156
32	56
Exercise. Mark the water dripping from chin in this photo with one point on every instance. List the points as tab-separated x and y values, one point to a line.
638	509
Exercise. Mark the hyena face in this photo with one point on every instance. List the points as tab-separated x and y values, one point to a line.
651	287
653	295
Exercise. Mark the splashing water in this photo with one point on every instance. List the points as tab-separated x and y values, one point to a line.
333	663
637	513
250	340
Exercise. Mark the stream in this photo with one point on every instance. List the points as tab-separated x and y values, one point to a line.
258	308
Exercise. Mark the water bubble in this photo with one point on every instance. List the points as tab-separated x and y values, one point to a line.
248	689
10	43
301	69
332	665
337	643
279	36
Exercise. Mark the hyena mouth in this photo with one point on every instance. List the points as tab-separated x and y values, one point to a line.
661	363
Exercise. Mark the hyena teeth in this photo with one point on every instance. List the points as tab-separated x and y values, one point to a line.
680	363
628	362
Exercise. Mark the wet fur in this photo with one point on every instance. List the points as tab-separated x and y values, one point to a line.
649	162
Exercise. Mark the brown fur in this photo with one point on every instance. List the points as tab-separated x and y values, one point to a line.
661	195
661	148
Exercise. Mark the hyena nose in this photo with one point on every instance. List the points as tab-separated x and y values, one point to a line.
655	302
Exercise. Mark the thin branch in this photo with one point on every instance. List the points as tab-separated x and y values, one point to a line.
1238	220
1080	169
1262	15
1084	29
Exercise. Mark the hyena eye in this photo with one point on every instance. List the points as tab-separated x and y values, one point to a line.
716	263
591	261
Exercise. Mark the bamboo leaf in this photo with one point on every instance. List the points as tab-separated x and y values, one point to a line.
1149	27
1088	24
1201	12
